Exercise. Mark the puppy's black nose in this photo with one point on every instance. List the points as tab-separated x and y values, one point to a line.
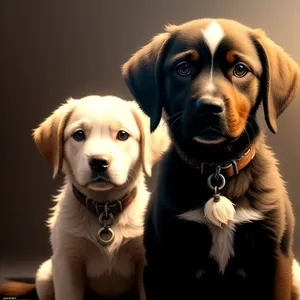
207	108
99	164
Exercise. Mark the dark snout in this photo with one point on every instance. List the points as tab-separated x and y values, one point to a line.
99	164
209	110
204	119
100	171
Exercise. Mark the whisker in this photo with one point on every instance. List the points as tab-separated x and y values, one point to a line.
245	130
130	176
222	130
248	123
224	148
175	121
168	119
136	173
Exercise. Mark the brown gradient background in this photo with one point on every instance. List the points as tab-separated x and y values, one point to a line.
51	50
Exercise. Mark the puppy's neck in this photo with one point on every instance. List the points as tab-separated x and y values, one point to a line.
113	194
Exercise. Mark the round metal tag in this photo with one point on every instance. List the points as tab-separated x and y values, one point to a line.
102	236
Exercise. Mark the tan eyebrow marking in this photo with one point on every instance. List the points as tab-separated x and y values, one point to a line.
236	56
195	55
230	56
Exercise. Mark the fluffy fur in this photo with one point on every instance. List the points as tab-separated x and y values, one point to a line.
210	89
219	213
80	264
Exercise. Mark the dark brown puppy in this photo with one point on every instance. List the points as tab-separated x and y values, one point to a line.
210	76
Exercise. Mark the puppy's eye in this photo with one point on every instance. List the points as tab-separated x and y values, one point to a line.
123	135
183	68
78	135
240	70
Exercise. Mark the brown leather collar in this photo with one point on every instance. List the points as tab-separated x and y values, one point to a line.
228	169
110	207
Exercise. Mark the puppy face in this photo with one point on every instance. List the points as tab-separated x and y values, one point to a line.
212	80
210	77
101	142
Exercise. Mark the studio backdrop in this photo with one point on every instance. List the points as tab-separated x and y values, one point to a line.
52	50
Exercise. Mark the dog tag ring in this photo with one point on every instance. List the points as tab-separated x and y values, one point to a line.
105	235
101	236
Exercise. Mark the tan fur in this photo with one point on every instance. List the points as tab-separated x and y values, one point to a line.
263	181
296	280
195	55
13	288
283	78
230	56
49	137
259	186
284	75
79	262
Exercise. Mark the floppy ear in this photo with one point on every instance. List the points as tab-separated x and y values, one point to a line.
142	74
153	145
48	137
280	78
160	141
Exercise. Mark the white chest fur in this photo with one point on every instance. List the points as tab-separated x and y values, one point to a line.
108	270
110	274
104	262
222	238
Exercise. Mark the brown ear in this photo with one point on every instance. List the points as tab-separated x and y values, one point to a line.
142	74
152	145
48	137
280	78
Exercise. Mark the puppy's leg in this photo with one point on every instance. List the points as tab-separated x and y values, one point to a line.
140	283
44	281
283	283
68	278
285	258
296	280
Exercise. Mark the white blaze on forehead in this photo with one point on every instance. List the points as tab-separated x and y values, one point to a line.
213	35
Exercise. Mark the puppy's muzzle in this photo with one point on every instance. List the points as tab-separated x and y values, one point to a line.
209	110
100	164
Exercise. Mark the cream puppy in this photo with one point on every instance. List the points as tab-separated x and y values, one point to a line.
104	147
